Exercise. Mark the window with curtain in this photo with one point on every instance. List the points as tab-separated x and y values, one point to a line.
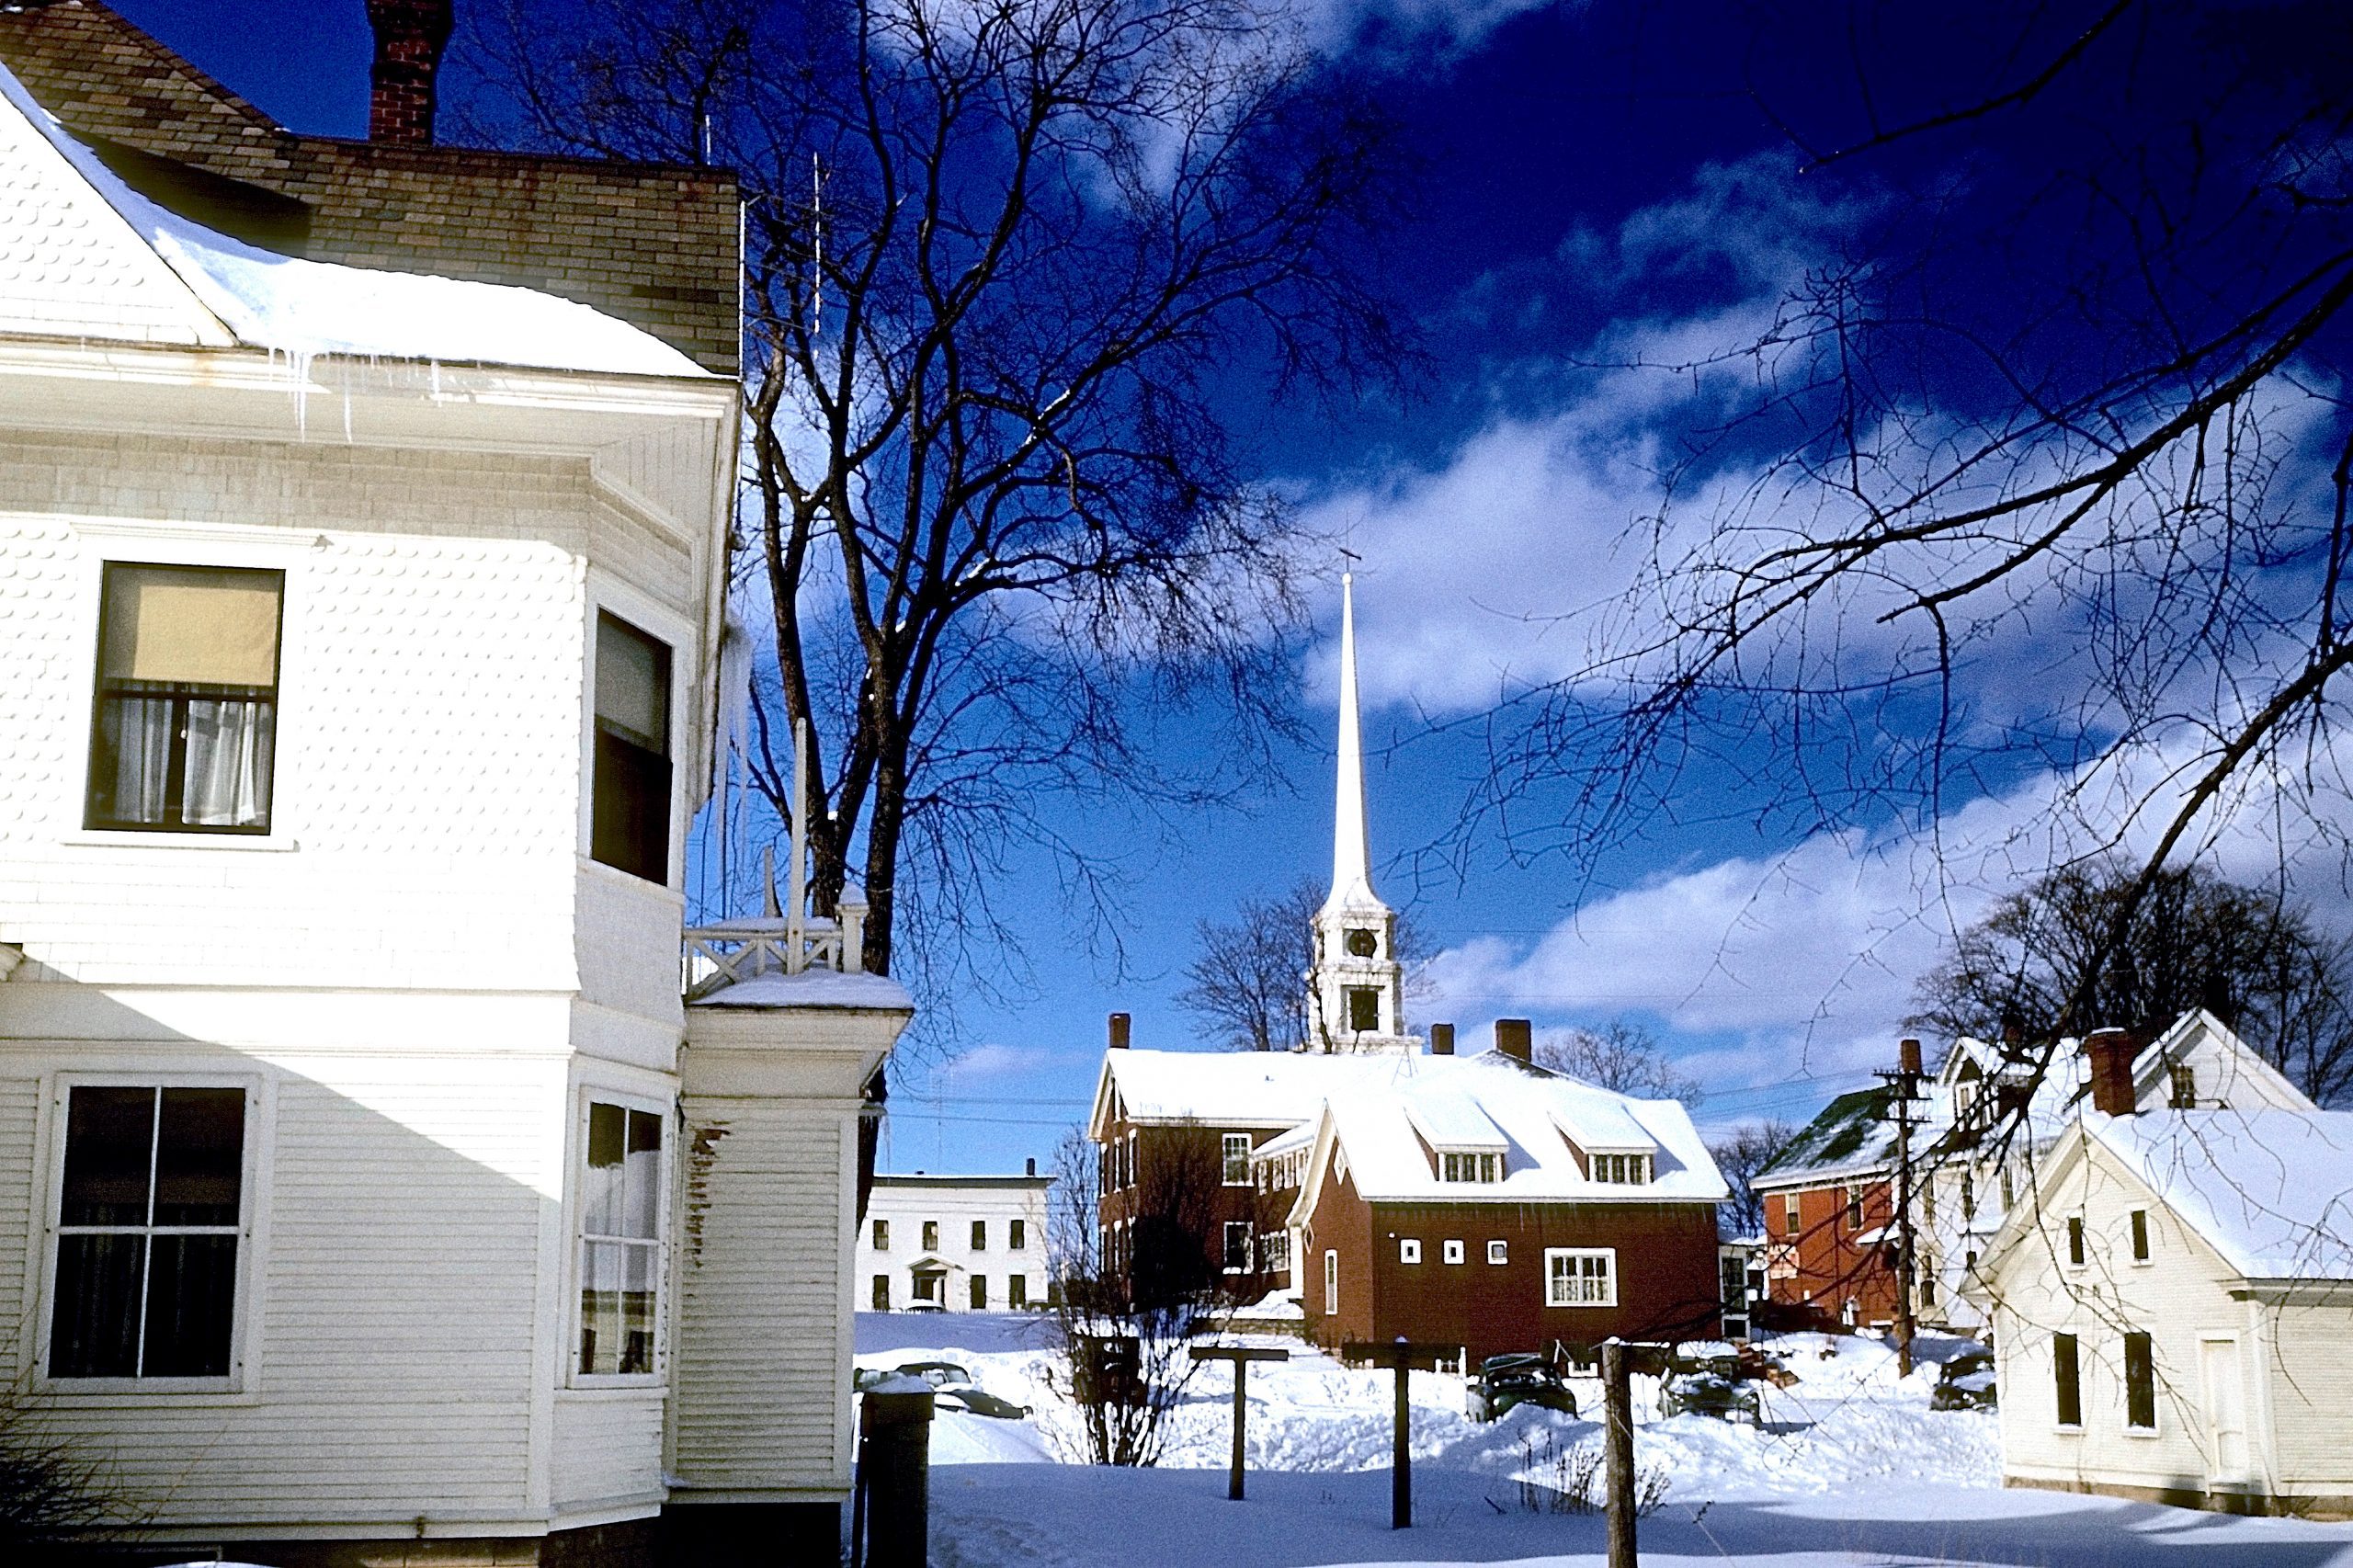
148	1215
185	731
620	1241
630	818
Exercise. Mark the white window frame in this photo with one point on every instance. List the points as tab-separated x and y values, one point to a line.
608	595
1226	1150
1226	1245
1575	1257
1451	1251
2147	1239
1409	1249
1499	1252
1331	1282
239	1387
578	1237
2075	1230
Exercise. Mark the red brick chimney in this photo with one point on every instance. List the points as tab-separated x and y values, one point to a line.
2110	1053
1512	1038
410	36
1442	1039
1118	1031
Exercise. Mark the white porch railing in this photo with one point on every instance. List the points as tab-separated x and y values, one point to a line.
730	951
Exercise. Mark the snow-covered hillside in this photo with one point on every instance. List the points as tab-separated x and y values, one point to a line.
1850	1466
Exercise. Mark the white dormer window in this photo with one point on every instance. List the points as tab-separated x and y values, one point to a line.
1469	1165
1621	1170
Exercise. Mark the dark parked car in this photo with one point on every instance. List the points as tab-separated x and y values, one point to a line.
980	1401
1517	1378
1711	1387
1966	1383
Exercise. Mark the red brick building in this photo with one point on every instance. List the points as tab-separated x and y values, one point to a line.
1830	1253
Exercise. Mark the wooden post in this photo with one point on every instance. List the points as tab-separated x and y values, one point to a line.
1400	1354
1241	1355
1618	1451
894	1464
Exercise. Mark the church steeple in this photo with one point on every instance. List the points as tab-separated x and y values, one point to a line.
1355	993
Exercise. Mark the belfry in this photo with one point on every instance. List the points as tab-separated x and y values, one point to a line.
1356	990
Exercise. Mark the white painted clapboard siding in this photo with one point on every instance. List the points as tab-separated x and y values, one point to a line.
608	1446
757	1372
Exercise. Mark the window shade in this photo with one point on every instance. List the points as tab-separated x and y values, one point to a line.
634	683
201	625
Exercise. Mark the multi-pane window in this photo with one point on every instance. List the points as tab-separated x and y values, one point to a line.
185	731
980	1292
1623	1170
621	1240
1331	1282
1855	1207
1498	1252
2140	1235
1237	1248
148	1223
629	821
1790	1214
1274	1247
1237	1159
1017	1234
2185	1086
1364	1008
2140	1383
979	1235
2067	1380
881	1235
1580	1277
1469	1166
931	1235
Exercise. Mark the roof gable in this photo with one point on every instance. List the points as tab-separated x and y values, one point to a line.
1850	1137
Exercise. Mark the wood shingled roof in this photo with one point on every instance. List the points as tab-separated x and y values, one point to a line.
657	245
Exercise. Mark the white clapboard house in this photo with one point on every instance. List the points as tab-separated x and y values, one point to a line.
2171	1300
955	1243
368	1171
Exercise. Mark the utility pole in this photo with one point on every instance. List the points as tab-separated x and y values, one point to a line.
1618	1449
1905	1081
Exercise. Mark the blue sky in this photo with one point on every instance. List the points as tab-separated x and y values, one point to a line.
1607	185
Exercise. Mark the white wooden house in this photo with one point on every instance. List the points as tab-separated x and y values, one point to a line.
365	1172
959	1243
2171	1303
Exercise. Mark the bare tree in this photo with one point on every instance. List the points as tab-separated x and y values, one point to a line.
2044	475
1247	978
2247	955
1003	259
1740	1154
1621	1055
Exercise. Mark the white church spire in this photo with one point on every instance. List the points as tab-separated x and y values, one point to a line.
1356	994
1351	856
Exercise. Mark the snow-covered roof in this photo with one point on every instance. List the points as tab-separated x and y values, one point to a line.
813	988
1298	1140
1536	1113
1851	1137
1243	1088
301	308
2270	1190
1449	1118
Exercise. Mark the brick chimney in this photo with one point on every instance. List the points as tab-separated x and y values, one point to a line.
1030	1165
1442	1039
2110	1053
1907	1056
1512	1038
410	36
1118	1031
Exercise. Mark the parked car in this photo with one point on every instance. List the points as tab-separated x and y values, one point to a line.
1711	1387
939	1374
979	1402
1515	1378
1966	1383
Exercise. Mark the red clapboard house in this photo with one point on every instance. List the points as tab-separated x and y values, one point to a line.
1482	1202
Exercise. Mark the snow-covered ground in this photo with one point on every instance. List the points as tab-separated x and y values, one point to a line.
1851	1467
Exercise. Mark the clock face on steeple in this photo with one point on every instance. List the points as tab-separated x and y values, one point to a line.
1363	944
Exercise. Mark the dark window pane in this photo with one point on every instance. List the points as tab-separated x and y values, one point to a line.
2068	1378
2140	1235
131	760
191	1297
94	1327
199	1156
1364	1008
109	1135
604	1191
2140	1382
630	820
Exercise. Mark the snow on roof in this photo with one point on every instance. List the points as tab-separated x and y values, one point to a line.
1245	1088
2271	1190
813	988
1850	1137
1532	1109
305	308
1447	1119
1297	1141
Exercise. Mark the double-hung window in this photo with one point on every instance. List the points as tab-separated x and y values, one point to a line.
1017	1235
1580	1277
1237	1249
185	735
2067	1380
620	1241
979	1235
1236	1151
150	1213
630	818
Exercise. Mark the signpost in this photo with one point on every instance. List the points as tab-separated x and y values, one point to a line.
1241	1355
1618	1449
1401	1355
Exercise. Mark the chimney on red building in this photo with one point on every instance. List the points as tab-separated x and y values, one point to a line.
1908	1055
1512	1038
1442	1039
2110	1053
410	36
1118	1031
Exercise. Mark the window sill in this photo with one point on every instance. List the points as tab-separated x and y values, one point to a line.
136	1393
2145	1434
165	838
2064	1431
596	1389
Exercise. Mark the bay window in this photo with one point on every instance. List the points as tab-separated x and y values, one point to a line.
629	818
620	1241
185	735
